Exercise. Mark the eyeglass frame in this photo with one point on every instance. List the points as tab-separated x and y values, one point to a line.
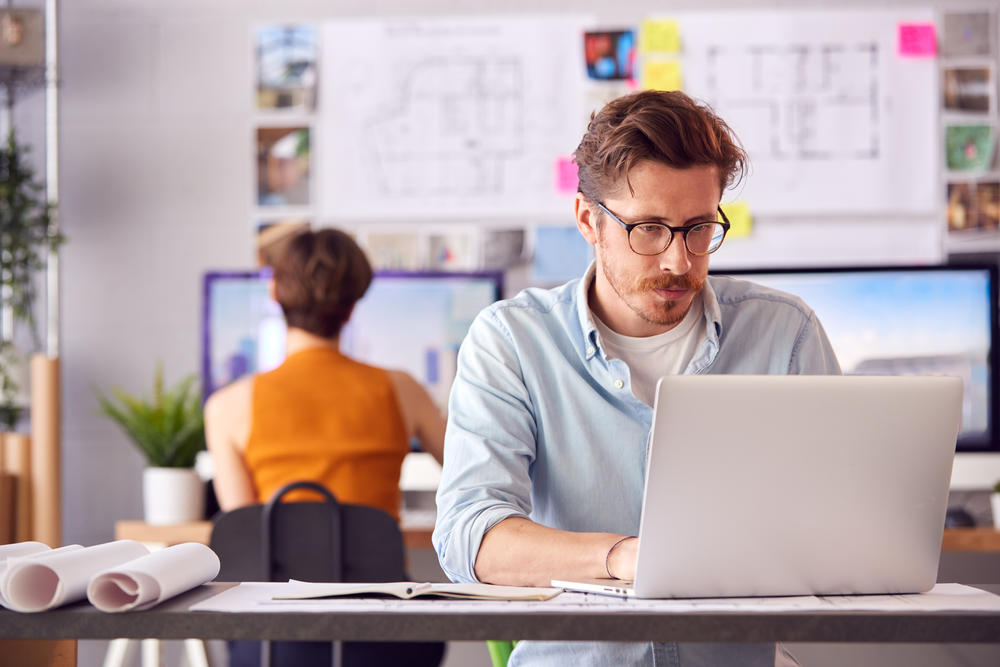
683	230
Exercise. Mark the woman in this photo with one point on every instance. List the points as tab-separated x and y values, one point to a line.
320	416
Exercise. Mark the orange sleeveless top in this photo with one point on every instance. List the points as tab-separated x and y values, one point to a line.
327	418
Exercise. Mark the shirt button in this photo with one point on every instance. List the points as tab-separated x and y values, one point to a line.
590	351
619	384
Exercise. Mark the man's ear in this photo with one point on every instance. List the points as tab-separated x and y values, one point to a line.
586	221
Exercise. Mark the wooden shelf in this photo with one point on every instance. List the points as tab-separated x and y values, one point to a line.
971	539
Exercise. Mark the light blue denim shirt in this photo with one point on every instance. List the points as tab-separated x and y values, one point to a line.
543	425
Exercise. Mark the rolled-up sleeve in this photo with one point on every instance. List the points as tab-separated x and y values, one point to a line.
489	446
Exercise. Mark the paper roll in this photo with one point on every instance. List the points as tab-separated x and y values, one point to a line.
48	581
45	466
17	461
147	581
29	553
21	549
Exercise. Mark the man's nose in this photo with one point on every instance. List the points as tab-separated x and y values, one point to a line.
676	258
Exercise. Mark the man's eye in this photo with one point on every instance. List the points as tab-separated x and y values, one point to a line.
651	228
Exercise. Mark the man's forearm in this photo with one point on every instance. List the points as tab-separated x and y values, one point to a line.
519	552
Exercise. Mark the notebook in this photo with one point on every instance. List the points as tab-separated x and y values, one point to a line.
793	485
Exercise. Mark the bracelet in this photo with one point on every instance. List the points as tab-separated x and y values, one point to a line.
607	558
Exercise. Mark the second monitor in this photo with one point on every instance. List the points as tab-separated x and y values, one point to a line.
407	321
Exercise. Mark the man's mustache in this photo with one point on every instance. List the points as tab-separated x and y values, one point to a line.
670	281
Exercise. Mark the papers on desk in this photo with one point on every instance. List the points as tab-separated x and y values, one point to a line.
407	590
260	597
115	576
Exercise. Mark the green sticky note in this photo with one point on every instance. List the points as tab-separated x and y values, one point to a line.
659	36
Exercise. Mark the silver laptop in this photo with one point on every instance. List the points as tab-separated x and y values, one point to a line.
793	485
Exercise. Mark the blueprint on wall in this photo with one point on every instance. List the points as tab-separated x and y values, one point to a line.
834	119
447	117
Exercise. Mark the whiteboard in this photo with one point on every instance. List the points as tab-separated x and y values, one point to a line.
447	117
834	119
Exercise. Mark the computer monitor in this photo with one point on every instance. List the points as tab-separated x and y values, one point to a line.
919	320
407	321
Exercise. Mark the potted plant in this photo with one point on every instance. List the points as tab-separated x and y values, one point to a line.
169	430
26	237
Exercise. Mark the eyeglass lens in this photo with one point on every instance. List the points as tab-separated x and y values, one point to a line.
700	239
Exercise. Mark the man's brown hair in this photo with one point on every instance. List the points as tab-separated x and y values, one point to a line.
318	278
666	127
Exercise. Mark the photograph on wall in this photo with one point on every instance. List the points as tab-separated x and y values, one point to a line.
502	248
959	207
987	207
973	206
283	166
453	250
609	54
967	34
969	147
394	250
286	67
968	89
273	235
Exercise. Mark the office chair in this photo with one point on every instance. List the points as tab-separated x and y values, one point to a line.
315	541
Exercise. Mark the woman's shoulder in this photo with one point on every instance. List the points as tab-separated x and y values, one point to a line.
232	399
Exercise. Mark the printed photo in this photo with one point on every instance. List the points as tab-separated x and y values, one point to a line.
609	54
987	208
967	34
286	67
959	206
283	166
969	147
968	89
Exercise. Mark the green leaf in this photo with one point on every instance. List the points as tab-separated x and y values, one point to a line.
169	428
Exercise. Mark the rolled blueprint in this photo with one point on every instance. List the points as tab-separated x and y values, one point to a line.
147	581
12	553
54	579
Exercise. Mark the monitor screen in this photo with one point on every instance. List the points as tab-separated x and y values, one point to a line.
930	320
407	321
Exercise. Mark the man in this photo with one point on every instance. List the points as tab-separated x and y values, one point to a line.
545	449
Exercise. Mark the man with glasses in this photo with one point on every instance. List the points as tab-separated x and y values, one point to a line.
551	406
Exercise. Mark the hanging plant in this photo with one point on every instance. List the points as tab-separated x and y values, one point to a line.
25	240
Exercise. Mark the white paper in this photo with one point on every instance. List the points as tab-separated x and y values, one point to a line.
834	119
144	582
447	117
32	555
21	549
258	597
51	580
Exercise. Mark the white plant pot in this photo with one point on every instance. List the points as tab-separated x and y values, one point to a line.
995	504
172	495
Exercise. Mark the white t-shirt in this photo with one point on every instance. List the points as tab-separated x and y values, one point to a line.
651	357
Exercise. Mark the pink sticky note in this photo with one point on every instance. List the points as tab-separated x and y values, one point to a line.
917	40
566	180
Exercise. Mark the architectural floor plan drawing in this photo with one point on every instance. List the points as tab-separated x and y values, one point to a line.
455	130
447	118
800	101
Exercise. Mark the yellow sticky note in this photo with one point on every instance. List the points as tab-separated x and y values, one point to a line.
740	220
659	36
661	75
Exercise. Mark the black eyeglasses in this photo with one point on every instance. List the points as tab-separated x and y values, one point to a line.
651	238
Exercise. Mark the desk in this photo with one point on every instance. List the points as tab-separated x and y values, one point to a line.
416	529
172	620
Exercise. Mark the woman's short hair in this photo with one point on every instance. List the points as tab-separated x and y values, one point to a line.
318	278
665	127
